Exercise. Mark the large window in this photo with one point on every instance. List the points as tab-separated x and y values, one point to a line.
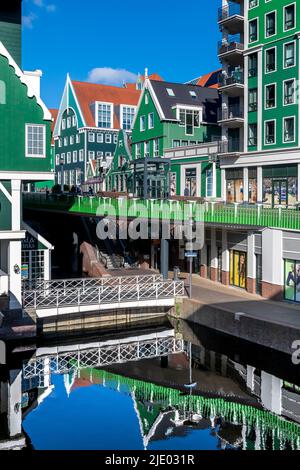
209	182
105	115
289	129
189	118
35	141
156	147
289	17
234	185
252	65
253	30
127	117
252	105
190	182
289	94
289	58
271	60
270	24
270	96
270	133
252	135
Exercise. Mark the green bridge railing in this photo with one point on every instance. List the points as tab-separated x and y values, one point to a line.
169	210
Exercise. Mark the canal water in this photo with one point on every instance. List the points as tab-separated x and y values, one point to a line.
158	387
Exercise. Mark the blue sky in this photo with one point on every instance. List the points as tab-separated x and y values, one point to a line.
108	40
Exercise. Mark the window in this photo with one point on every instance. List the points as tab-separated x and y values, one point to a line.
146	99
91	137
289	17
57	160
176	143
156	147
147	149
170	92
69	122
270	60
108	138
252	135
193	94
253	30
81	155
91	155
252	66
142	123
115	138
99	138
105	112
2	92
289	129
60	142
75	156
63	158
252	105
138	150
253	3
189	118
291	278
66	141
63	124
151	120
77	138
270	133
289	95
35	141
108	154
71	140
209	182
289	55
100	154
270	24
69	157
128	113
270	96
74	121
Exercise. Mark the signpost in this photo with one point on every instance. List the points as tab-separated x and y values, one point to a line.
191	255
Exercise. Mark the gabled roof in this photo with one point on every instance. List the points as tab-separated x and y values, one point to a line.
210	80
188	95
88	93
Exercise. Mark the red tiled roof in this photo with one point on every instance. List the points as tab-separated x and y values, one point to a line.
88	93
210	79
54	114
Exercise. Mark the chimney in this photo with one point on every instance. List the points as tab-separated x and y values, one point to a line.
11	28
33	79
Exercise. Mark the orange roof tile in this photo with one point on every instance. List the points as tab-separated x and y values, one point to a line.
88	93
54	114
211	77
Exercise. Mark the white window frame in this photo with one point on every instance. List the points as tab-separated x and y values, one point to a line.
108	139
142	128
295	16
69	158
295	54
122	106
257	36
295	91
81	155
269	49
97	105
265	100
27	154
69	122
149	121
266	14
91	137
295	130
75	156
265	133
100	138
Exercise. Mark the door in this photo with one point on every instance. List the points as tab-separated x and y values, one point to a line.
219	264
280	192
258	274
238	269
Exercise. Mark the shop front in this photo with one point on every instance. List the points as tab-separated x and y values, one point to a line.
238	269
280	186
234	185
292	280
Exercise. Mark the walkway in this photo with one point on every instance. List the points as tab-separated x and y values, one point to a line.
241	303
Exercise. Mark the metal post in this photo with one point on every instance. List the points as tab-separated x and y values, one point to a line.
145	186
164	257
191	277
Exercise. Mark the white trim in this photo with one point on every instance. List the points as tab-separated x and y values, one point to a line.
283	55
283	122
30	91
106	103
43	126
5	192
295	16
36	235
12	234
27	175
265	24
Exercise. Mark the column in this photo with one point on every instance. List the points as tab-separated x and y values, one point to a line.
225	258
214	170
271	392
16	204
246	184
14	415
14	273
223	184
251	264
164	257
259	185
246	72
214	256
203	265
250	378
259	99
272	265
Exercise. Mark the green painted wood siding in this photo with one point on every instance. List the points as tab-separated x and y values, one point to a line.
16	111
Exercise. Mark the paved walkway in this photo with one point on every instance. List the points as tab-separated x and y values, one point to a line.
239	302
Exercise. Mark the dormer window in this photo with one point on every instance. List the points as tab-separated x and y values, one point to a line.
2	92
193	94
104	115
128	113
190	118
170	92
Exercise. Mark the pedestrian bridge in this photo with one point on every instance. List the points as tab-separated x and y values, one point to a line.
62	297
70	358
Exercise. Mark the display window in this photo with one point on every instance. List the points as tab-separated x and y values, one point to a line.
292	280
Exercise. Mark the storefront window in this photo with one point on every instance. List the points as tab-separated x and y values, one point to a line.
235	185
190	182
238	269
173	182
280	191
292	280
252	185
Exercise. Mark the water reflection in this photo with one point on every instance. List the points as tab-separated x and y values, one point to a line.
132	391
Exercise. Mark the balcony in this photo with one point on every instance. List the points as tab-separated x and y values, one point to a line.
232	84
231	117
230	147
232	18
231	49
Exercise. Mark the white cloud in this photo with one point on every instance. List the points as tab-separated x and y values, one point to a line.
38	3
41	4
51	8
109	76
28	20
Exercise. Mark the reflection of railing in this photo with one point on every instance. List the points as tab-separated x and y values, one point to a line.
103	355
102	295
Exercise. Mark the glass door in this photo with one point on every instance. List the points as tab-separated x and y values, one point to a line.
238	269
258	274
280	193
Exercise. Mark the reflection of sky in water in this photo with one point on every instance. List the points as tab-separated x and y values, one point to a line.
96	417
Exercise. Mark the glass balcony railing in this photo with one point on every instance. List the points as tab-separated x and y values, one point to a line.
230	44
232	112
230	146
233	78
233	9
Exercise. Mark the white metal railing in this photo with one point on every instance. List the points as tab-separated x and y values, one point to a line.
102	294
91	282
61	363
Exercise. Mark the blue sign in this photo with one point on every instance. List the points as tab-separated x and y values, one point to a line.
191	254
